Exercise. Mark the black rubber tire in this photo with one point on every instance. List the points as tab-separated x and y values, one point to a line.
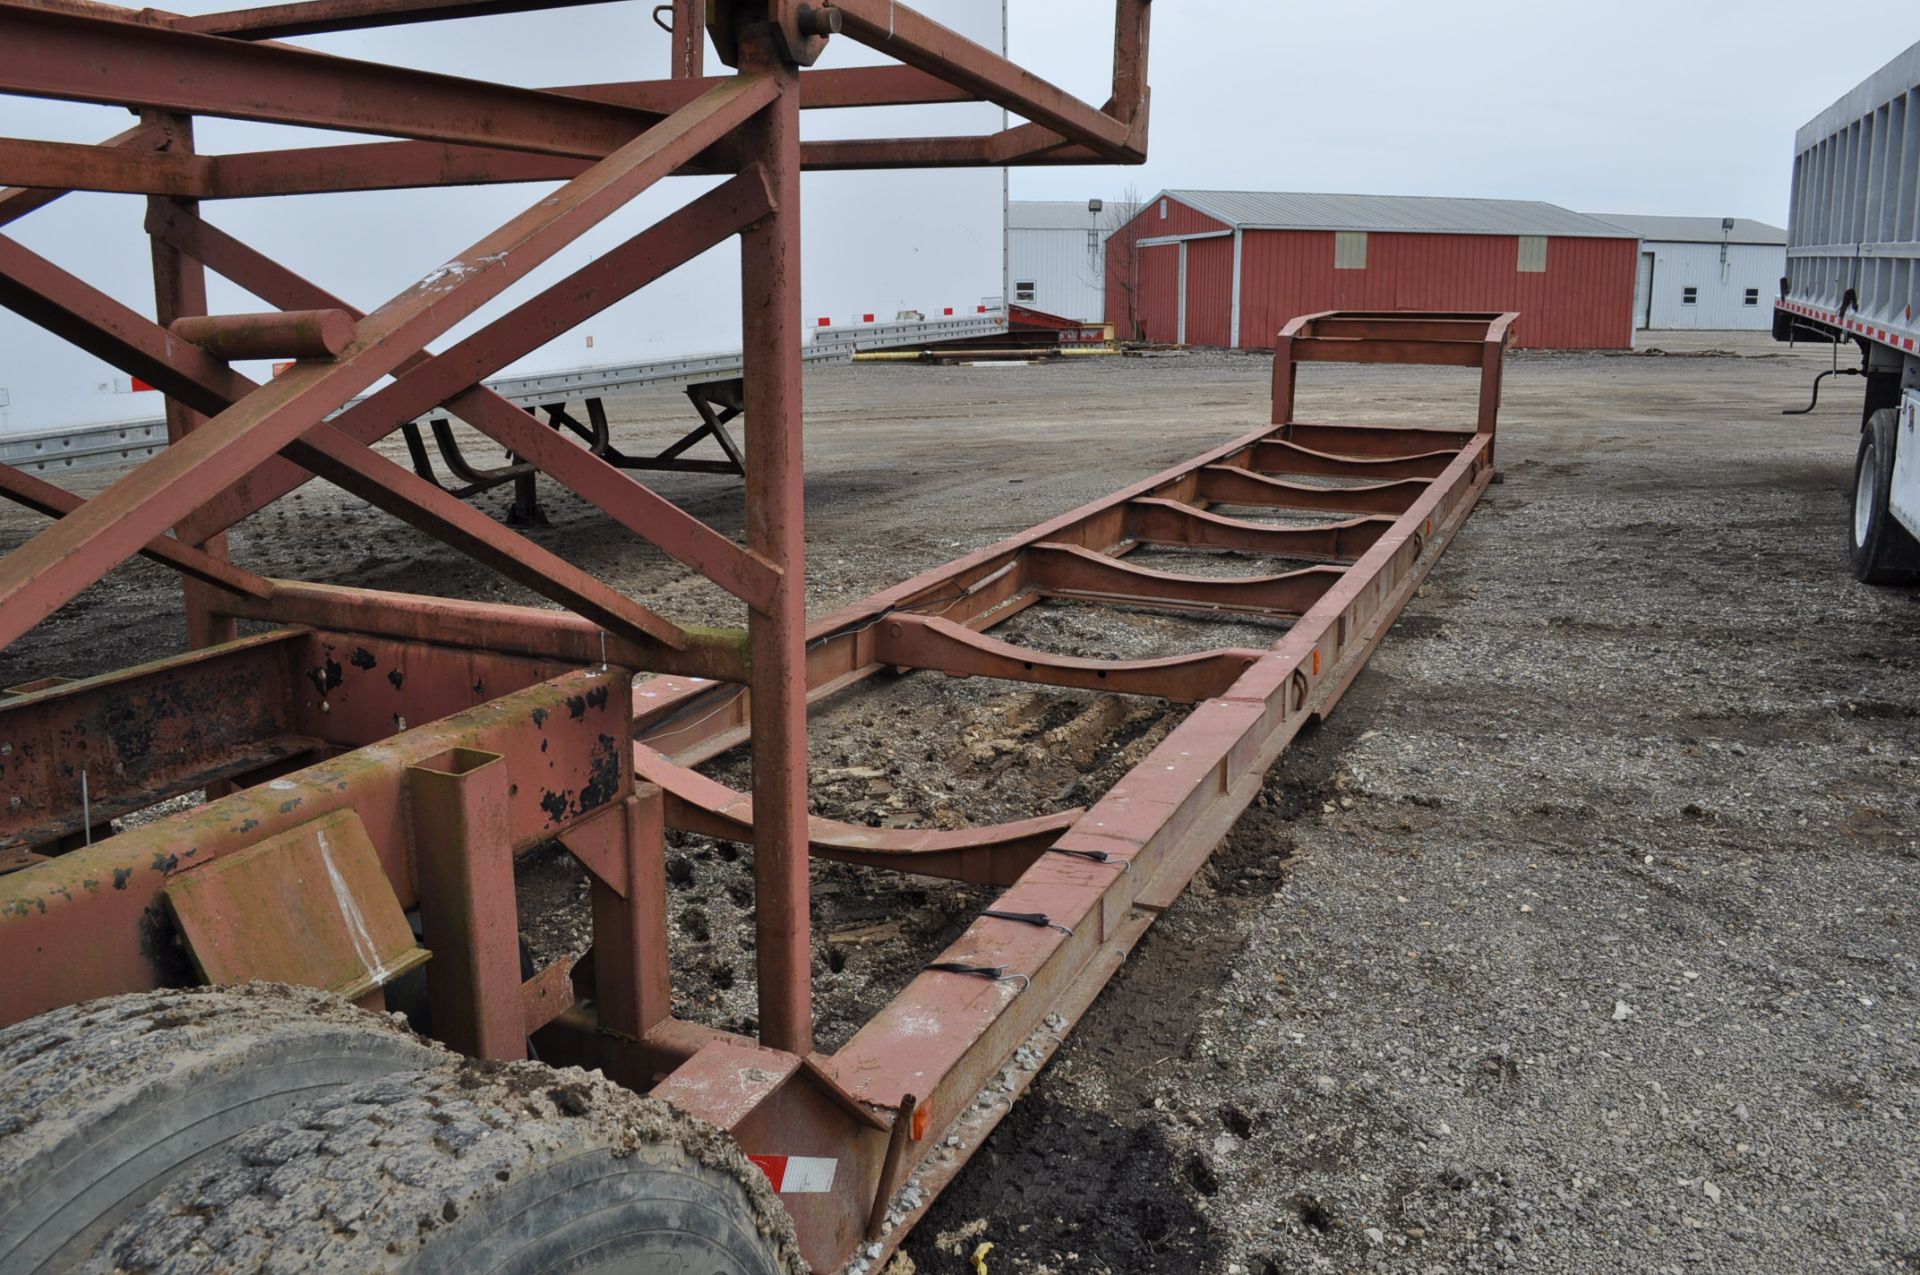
1882	551
102	1103
479	1167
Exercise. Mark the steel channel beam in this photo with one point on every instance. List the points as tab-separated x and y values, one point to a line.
120	61
88	924
1232	485
771	328
229	711
1281	457
930	642
1171	524
901	32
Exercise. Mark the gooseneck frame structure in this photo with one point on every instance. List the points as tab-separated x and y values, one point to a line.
370	754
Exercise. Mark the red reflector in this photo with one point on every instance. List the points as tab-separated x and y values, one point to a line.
140	386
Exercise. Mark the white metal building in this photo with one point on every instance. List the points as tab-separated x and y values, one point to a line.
1056	256
1705	272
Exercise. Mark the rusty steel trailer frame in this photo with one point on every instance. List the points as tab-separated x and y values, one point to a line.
374	753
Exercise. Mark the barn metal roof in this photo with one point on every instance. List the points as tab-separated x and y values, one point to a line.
1059	214
1695	229
1421	214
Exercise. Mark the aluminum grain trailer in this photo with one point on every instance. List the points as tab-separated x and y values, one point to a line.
1853	237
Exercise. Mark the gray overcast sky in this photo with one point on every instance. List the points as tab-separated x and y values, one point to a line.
1682	106
1629	106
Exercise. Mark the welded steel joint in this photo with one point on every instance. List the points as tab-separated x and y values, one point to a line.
803	27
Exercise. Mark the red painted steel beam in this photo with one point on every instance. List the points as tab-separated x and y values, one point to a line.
1231	485
992	854
689	39
315	17
458	807
1132	29
379	166
17	201
1153	520
144	733
78	926
1372	440
901	32
63	166
50	569
776	517
1282	457
84	57
930	642
43	497
480	626
1072	571
449	380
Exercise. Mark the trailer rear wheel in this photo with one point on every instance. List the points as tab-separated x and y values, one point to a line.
101	1103
496	1167
1883	551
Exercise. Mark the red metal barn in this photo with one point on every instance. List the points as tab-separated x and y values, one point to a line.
1229	268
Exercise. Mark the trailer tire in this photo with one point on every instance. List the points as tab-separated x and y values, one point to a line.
497	1167
102	1103
1883	551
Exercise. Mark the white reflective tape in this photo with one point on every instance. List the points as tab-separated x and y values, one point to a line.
807	1175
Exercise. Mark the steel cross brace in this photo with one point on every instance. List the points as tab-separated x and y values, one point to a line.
121	520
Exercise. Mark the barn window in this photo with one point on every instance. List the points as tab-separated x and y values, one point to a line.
1533	254
1349	250
1163	210
1753	296
1689	296
1023	290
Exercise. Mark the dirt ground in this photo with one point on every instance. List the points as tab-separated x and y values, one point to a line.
1580	938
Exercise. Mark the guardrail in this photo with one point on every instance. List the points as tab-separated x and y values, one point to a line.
119	443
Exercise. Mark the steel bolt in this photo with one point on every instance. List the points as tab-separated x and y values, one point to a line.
817	21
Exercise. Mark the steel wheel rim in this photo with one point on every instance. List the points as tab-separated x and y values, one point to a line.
1863	494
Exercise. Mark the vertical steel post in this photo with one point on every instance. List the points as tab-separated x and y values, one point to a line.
1131	22
633	989
770	295
689	39
1285	378
1493	361
179	292
463	859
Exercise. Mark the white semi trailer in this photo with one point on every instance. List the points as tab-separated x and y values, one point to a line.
1853	277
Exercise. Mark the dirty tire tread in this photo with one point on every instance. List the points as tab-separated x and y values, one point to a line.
1889	555
474	1167
102	1102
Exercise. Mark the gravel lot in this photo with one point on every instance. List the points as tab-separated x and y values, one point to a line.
1581	938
